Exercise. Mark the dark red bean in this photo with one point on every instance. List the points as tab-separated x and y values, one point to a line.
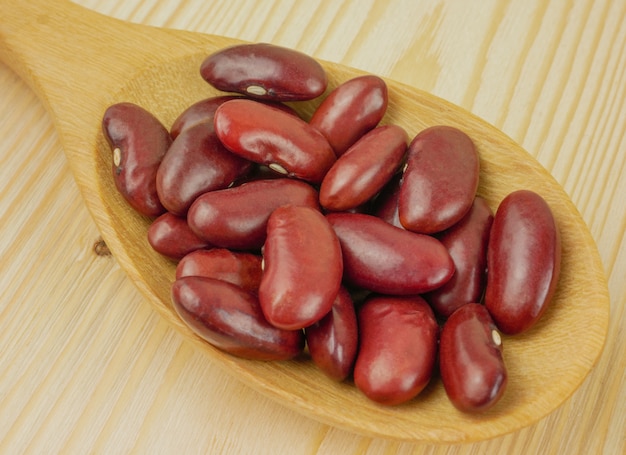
171	236
237	217
203	111
470	359
523	261
364	168
389	260
139	142
240	268
440	180
266	135
385	205
199	112
398	347
351	110
230	319
265	71
333	340
467	243
196	163
302	267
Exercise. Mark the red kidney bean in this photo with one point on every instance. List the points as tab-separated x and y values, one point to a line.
199	112
385	205
467	243
398	347
383	258
203	111
196	163
230	319
265	71
236	267
333	340
364	168
171	236
267	135
470	359
237	217
302	267
350	111
139	142
523	261
440	180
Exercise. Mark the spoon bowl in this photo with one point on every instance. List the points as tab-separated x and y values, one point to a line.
79	62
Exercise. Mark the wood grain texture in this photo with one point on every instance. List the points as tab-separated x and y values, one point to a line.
86	365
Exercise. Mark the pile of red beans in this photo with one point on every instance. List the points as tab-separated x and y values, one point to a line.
335	237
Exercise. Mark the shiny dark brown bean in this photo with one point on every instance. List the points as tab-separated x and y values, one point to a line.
333	340
467	243
470	359
230	319
237	217
242	269
265	71
440	180
398	347
350	111
364	168
171	236
266	135
523	261
389	260
196	163
302	267
139	142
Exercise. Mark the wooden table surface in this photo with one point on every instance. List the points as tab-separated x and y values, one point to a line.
86	366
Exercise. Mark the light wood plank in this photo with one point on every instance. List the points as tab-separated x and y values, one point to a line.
85	365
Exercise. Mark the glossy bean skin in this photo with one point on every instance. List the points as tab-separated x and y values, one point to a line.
267	135
237	217
363	170
236	267
203	111
523	261
265	71
467	243
333	340
171	236
199	112
196	163
470	359
351	110
385	206
302	267
139	142
440	180
230	319
383	258
398	348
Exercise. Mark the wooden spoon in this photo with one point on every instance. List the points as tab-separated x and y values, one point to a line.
79	62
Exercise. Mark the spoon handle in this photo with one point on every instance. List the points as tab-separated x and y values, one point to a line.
70	55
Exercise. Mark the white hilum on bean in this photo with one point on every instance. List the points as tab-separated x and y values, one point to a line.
256	90
278	168
497	339
117	156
